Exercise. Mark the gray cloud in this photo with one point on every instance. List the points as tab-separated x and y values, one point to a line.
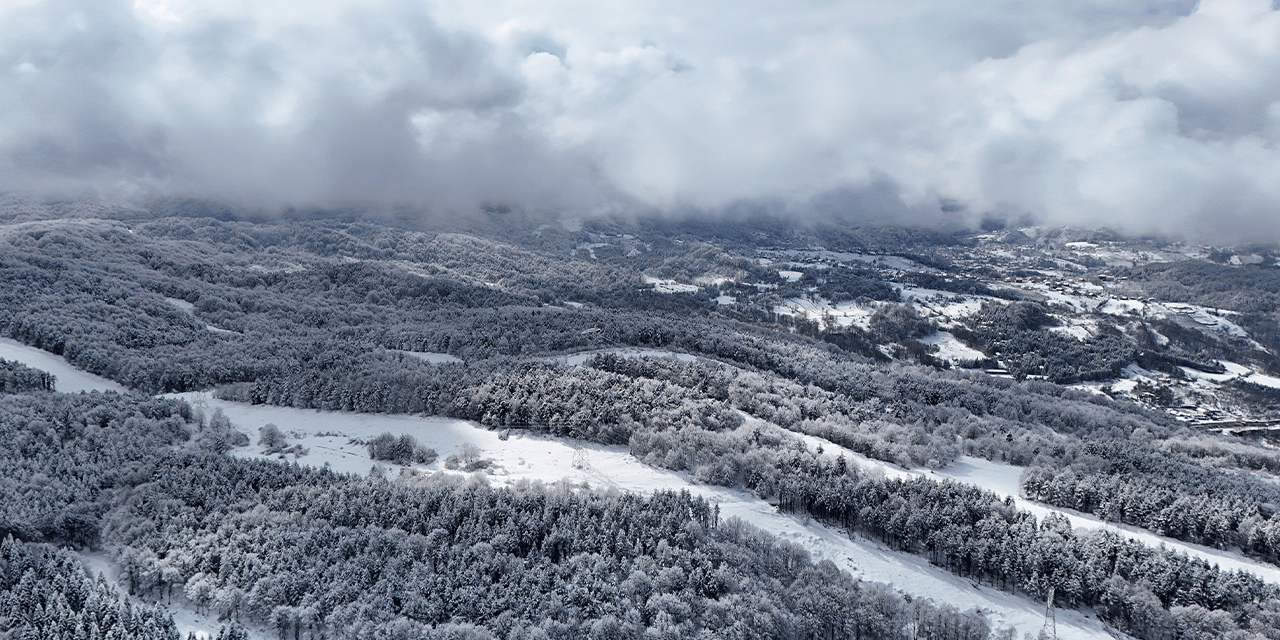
1145	116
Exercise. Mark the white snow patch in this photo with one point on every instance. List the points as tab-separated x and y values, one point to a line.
1205	316
181	304
1075	331
1234	371
826	314
951	306
712	281
69	378
790	276
1122	307
1124	386
725	300
669	286
432	357
591	248
951	349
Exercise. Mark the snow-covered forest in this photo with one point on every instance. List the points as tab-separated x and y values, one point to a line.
307	426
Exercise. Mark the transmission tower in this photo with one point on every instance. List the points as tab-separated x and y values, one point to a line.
580	458
1050	629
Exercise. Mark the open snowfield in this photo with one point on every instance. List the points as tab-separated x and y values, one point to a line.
944	305
534	457
825	313
951	349
69	378
669	286
432	357
1234	372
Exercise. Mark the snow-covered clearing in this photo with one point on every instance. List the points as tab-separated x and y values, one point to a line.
949	306
534	457
1079	296
1003	480
1234	372
181	304
432	357
951	349
69	378
827	314
1079	332
669	286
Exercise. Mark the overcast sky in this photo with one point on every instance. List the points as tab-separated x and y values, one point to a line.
1146	116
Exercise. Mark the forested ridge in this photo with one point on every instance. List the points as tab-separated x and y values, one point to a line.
601	563
310	553
319	315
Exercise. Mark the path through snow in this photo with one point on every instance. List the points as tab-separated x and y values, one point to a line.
69	378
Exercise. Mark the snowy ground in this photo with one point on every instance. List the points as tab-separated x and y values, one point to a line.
525	456
669	286
1234	372
432	357
944	304
827	314
951	349
69	378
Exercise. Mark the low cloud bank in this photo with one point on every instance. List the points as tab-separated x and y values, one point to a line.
1141	116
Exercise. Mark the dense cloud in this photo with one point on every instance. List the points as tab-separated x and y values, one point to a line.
1148	116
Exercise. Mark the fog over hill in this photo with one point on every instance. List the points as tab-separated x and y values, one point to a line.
1143	115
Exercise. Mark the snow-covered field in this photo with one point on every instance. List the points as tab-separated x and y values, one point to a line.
951	349
943	305
827	314
669	286
69	378
432	357
1234	372
533	457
